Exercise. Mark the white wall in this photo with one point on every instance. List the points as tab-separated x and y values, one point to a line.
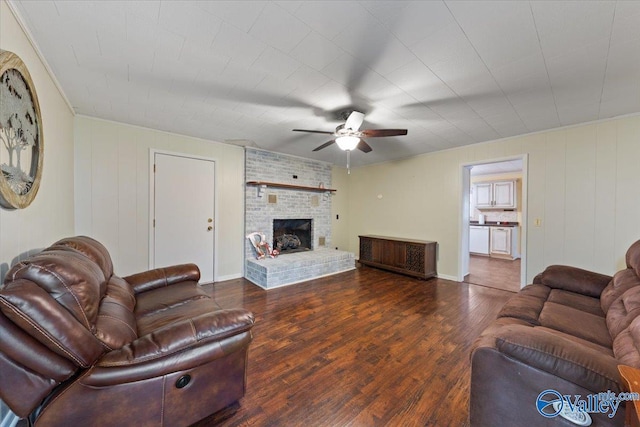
112	191
340	208
582	182
50	216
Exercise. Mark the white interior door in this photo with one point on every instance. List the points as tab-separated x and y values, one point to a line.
183	213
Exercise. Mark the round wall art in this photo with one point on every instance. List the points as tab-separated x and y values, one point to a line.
21	142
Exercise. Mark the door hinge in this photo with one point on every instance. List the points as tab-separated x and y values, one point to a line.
154	223
154	168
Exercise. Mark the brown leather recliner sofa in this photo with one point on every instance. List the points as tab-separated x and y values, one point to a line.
567	332
80	346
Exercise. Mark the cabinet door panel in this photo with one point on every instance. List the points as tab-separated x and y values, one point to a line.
366	249
501	241
504	194
377	251
484	195
479	240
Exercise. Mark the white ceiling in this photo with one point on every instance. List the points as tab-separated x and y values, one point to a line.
452	73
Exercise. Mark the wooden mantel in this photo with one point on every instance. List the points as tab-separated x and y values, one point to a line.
291	186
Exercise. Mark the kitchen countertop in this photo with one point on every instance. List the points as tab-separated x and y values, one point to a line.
495	224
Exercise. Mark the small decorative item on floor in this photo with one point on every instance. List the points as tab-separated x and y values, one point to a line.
260	245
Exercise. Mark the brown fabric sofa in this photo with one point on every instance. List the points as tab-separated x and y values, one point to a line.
567	332
81	346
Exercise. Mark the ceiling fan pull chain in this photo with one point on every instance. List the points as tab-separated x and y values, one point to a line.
348	162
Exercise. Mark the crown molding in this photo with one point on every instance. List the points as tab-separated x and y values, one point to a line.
21	21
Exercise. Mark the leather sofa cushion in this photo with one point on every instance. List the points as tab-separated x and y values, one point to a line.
116	323
623	310
578	301
90	248
527	304
167	305
73	281
560	310
626	345
34	310
72	273
573	279
552	353
579	341
575	322
633	257
622	281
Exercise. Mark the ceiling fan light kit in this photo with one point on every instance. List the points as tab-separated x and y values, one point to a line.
347	143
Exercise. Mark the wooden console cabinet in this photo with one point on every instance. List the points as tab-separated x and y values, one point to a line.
412	257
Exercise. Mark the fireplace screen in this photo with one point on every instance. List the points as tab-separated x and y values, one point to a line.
292	235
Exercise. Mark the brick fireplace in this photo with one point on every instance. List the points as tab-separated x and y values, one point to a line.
306	214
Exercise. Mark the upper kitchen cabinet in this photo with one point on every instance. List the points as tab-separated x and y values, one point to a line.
496	195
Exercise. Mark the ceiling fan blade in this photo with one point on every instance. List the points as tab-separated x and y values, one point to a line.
325	145
354	121
313	131
383	132
363	146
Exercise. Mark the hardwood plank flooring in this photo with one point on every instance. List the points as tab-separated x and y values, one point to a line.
361	348
494	272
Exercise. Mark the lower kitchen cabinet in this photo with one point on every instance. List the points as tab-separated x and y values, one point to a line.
479	240
504	242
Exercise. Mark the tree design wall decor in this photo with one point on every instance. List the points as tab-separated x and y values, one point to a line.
21	140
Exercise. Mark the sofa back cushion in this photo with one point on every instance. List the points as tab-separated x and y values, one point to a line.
90	248
633	258
623	280
626	346
74	281
68	299
623	311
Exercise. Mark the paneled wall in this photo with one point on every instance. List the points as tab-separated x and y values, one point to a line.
582	182
50	216
112	191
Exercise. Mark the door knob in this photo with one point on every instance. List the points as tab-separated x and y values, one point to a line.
210	220
209	228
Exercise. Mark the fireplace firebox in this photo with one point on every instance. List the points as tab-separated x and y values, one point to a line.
292	235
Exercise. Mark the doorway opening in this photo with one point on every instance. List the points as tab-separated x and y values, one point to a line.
493	223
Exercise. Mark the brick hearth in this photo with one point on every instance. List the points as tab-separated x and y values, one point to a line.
298	267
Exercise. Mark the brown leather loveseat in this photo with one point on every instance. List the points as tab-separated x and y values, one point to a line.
567	333
80	346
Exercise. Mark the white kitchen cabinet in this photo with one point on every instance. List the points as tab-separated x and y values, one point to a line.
496	195
479	240
504	242
484	195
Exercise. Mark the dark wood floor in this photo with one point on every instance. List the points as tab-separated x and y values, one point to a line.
494	272
362	348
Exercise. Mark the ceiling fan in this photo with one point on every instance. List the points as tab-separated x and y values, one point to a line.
349	137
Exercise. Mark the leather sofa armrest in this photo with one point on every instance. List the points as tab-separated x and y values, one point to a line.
175	347
573	279
160	277
546	351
